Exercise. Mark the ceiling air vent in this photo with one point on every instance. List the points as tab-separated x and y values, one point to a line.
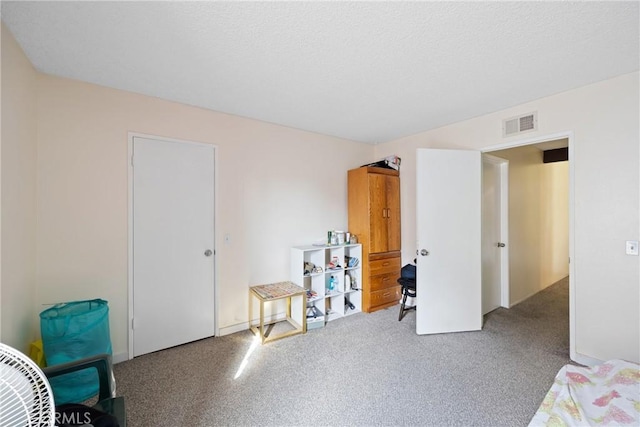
520	124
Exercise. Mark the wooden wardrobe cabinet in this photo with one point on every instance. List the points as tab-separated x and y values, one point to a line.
374	217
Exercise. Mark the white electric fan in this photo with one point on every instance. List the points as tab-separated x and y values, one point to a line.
25	395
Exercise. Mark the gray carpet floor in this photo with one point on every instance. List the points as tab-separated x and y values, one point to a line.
362	370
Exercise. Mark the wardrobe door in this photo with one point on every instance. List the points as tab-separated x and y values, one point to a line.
378	222
392	197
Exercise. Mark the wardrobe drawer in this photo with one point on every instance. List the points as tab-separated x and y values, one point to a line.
384	266
385	296
384	281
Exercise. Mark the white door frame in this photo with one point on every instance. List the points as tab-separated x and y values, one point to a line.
504	226
573	354
131	136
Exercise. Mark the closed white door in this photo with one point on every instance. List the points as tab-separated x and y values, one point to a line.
173	243
493	241
448	222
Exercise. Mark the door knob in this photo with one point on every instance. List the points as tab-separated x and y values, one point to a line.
208	252
424	252
501	245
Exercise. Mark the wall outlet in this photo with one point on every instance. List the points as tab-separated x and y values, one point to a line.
632	247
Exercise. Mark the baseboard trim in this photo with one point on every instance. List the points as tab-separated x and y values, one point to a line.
244	326
228	330
535	292
585	360
514	303
120	357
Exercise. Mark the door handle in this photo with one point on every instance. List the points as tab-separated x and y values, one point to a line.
384	213
501	245
208	252
424	252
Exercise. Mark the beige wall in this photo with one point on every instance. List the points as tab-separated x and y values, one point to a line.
555	222
18	197
604	119
538	221
277	187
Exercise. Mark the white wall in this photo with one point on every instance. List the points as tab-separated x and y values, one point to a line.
18	197
604	119
277	187
538	221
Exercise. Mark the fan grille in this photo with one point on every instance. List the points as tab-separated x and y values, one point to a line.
25	395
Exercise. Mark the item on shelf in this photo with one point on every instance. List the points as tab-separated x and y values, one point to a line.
347	282
313	312
333	238
354	285
389	162
334	264
349	304
309	268
332	283
393	162
311	294
353	239
340	237
351	261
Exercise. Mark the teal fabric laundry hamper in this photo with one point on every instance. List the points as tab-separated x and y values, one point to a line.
72	331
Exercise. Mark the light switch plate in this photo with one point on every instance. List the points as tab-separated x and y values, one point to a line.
632	247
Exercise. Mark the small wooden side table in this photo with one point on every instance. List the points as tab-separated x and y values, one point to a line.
273	292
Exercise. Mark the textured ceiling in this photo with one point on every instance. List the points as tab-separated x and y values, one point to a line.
365	71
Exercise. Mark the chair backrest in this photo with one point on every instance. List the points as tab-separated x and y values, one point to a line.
408	272
101	362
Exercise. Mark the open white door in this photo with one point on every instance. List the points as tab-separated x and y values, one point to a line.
449	238
495	219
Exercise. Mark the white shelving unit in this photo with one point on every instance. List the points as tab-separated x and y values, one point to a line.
330	304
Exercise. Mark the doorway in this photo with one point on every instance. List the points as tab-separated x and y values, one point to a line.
171	256
540	216
461	245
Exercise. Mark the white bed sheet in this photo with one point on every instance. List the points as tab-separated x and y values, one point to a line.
602	395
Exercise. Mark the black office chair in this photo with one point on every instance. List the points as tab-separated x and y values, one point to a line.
107	403
408	282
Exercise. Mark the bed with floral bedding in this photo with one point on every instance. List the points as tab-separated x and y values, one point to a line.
602	395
